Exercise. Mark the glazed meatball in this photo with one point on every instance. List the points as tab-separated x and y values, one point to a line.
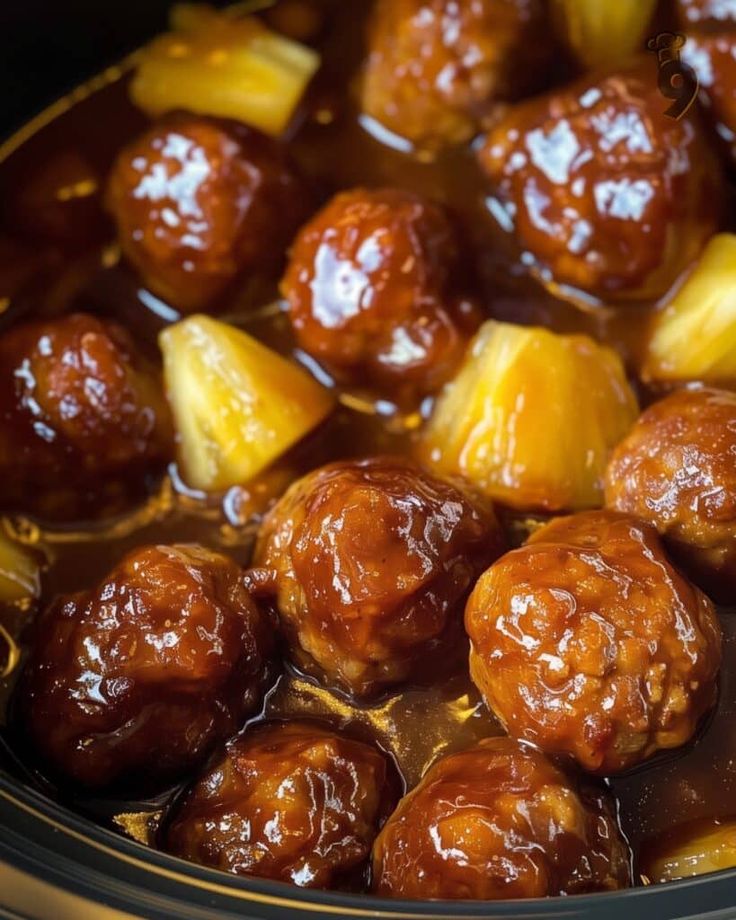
199	202
294	802
706	12
676	470
56	201
371	290
372	560
141	675
586	641
436	68
606	194
77	403
713	57
499	821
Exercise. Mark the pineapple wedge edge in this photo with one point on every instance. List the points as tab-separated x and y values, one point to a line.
531	418
237	404
693	338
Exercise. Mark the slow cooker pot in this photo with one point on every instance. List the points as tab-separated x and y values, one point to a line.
56	865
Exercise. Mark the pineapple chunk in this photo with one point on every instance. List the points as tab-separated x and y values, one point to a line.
603	33
237	405
20	572
694	337
215	64
705	847
531	418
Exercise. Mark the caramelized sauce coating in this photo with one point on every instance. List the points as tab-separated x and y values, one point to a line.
587	641
436	68
371	289
199	202
712	58
706	12
78	403
676	470
499	821
372	562
290	801
137	678
607	194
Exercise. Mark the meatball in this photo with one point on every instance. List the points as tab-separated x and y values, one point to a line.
605	193
138	677
586	641
199	202
290	801
676	471
713	57
372	561
499	821
436	68
371	289
706	12
77	403
56	201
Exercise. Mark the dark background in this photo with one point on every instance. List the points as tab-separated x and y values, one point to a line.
48	46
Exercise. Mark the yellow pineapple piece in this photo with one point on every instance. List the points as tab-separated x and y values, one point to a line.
214	63
531	418
694	336
20	572
603	33
705	847
237	405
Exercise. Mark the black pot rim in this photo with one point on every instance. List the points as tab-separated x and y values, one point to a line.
72	853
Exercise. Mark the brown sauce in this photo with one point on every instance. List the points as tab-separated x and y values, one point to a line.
57	253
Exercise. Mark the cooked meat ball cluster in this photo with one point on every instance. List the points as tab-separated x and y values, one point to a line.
372	561
138	678
436	69
79	405
499	821
587	641
372	290
200	202
606	193
302	651
291	801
